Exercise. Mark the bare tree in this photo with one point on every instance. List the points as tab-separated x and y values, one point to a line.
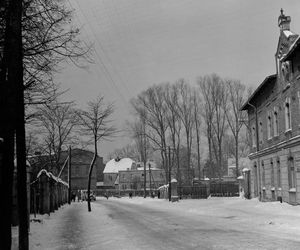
48	39
234	115
57	121
175	125
197	118
95	122
129	150
185	111
220	103
208	115
150	105
215	105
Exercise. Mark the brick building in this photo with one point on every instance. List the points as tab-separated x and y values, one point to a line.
274	120
80	163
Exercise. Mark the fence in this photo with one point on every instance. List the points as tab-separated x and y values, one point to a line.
122	193
194	192
47	193
224	189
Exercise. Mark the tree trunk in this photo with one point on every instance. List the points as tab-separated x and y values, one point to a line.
90	175
237	155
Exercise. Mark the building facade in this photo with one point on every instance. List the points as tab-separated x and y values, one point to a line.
127	175
274	124
80	164
133	179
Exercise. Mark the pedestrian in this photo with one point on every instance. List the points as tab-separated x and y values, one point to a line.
130	195
158	194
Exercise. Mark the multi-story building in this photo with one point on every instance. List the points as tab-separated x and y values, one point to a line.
80	164
274	120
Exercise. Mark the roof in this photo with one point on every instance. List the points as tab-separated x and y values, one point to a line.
291	49
268	80
114	166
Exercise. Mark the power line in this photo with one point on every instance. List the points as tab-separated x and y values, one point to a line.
106	71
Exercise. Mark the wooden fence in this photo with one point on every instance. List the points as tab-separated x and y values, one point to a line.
47	193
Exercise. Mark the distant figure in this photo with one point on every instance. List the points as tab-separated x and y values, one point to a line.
130	195
79	195
73	196
106	196
158	194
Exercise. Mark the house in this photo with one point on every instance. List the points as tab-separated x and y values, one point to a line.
127	175
133	179
274	120
111	171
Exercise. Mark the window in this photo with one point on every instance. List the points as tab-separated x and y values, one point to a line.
275	121
278	174
263	174
287	108
269	125
272	173
260	132
253	137
292	174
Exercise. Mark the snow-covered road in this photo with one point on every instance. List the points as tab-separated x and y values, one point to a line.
217	223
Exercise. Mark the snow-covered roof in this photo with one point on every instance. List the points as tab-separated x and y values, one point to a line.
288	33
240	177
114	166
51	176
245	169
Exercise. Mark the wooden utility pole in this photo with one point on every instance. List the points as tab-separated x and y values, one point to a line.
69	177
150	179
145	157
169	152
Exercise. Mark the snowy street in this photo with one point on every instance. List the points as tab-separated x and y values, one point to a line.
216	223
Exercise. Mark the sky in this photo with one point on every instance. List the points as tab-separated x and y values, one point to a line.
139	43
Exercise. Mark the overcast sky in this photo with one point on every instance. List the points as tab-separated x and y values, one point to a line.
139	43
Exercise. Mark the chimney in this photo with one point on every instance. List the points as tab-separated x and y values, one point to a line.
284	21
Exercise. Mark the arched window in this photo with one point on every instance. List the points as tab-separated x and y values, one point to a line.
278	174
272	173
263	174
253	137
292	173
261	133
275	121
287	108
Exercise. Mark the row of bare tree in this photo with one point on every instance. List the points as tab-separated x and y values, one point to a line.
178	116
35	37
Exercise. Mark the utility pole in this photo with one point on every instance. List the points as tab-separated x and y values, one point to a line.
169	151
150	178
144	154
69	176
